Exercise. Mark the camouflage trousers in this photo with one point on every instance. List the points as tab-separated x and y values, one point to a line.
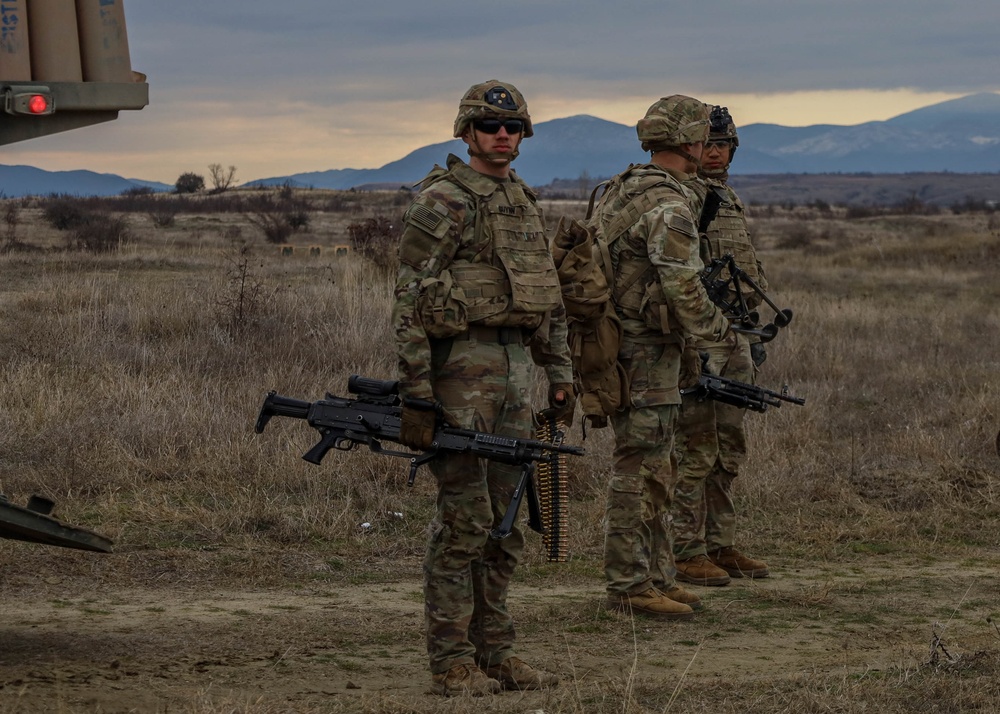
637	545
485	386
711	445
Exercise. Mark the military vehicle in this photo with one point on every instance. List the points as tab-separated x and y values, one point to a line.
64	64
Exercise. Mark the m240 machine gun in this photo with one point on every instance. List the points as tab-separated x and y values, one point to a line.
373	416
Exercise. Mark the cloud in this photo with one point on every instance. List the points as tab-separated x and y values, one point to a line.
312	84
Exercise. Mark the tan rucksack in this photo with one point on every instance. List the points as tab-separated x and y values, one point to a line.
581	252
595	332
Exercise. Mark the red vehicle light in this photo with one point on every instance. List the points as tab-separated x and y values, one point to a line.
38	104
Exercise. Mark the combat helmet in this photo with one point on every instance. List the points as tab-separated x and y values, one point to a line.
722	127
671	122
492	100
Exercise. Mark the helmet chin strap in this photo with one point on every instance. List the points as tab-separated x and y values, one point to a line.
680	152
720	174
494	157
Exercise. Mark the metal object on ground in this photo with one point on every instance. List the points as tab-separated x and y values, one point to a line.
35	525
553	499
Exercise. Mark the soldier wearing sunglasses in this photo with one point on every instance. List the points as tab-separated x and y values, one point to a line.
478	302
711	441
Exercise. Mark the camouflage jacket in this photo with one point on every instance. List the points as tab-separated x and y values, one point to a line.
462	234
658	258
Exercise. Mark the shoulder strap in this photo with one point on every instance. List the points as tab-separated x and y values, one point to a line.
630	214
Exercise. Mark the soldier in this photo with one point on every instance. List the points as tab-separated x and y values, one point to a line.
646	216
476	290
711	441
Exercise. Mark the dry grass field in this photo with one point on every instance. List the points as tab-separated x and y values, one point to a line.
243	580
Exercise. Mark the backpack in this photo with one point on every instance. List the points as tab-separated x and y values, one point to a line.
581	252
594	330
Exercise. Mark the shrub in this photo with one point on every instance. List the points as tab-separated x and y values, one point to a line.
163	217
277	218
65	213
189	183
136	191
376	239
11	218
100	233
240	305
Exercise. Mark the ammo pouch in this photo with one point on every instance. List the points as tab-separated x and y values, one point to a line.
442	307
642	300
653	309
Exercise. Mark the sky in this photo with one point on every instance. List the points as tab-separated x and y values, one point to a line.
275	88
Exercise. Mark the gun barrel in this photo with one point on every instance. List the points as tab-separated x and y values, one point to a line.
567	449
511	442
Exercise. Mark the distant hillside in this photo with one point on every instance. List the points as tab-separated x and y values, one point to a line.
29	181
560	148
938	189
961	136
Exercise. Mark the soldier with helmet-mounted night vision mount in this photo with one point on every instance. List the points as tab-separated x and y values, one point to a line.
711	439
477	302
646	217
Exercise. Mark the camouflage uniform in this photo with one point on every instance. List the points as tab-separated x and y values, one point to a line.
659	298
711	439
476	286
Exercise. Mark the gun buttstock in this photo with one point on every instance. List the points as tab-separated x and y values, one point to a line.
266	412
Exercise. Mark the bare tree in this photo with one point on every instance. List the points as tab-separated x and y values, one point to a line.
222	179
583	183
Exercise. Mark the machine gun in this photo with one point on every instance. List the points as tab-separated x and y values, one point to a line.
374	416
738	394
736	309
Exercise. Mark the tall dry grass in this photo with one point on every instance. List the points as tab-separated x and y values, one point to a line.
130	390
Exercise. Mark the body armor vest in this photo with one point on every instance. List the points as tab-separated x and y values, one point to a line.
505	276
728	235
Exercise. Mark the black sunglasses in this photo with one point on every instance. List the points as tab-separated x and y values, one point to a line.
492	126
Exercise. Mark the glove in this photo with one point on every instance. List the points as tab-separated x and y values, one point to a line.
561	409
757	353
731	338
418	422
691	365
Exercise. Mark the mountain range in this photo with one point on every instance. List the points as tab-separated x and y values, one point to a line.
959	136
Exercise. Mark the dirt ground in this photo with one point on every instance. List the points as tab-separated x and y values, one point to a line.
70	643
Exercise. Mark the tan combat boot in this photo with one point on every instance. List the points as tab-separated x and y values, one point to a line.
737	564
699	570
652	603
514	673
463	679
679	594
